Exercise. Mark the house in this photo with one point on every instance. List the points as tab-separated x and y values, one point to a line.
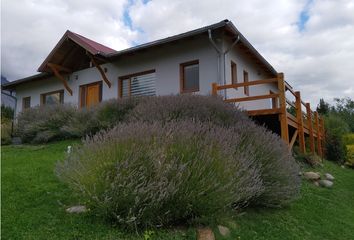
216	59
8	98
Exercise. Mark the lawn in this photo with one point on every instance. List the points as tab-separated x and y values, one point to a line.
34	202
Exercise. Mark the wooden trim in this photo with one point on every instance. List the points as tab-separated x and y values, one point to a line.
23	102
59	67
104	77
300	122
61	78
293	139
246	89
181	74
274	99
263	112
61	96
130	76
233	73
259	97
256	82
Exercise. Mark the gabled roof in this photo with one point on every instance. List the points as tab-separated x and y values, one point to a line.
68	43
72	45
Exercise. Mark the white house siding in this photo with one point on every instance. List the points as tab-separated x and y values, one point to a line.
255	72
164	59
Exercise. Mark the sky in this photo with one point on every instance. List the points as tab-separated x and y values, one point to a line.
310	41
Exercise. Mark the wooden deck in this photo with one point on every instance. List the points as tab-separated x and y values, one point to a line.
296	121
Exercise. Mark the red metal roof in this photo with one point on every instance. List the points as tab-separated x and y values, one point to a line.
91	46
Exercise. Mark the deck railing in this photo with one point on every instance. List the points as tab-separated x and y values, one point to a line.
290	112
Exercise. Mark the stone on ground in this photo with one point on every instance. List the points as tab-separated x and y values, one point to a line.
312	176
224	231
316	183
326	183
205	234
329	177
76	209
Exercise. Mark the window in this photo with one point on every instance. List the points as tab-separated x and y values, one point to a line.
90	94
274	100
51	98
26	103
189	73
246	89
138	84
233	73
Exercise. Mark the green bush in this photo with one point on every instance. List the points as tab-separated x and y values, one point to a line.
6	128
6	112
54	122
169	166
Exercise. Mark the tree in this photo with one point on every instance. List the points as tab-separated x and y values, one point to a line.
323	107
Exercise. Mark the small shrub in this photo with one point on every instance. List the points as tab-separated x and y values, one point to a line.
6	128
6	113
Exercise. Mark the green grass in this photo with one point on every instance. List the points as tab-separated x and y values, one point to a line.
34	202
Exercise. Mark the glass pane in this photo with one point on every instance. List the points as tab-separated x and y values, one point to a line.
125	88
143	85
53	98
191	77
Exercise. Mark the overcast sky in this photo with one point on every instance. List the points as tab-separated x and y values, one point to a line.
311	41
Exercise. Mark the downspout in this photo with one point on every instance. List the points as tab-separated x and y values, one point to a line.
219	56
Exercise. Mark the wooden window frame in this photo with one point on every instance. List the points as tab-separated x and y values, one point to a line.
234	73
181	74
84	86
129	77
61	96
23	103
246	89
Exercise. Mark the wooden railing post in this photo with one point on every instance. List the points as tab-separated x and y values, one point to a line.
282	101
318	133
323	135
214	89
309	123
300	122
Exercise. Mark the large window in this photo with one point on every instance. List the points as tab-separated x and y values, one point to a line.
246	89
189	73
26	103
90	94
51	98
138	84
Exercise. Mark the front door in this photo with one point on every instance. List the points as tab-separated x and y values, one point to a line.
93	95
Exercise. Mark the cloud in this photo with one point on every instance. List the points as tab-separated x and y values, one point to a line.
311	41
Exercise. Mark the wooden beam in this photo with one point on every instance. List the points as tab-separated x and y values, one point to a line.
61	78
214	89
323	134
293	139
250	83
105	79
300	122
259	97
283	117
317	123
263	112
59	67
310	127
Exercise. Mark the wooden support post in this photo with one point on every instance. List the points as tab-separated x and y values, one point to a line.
293	139
309	123
214	89
300	123
282	100
318	131
105	79
60	77
323	134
